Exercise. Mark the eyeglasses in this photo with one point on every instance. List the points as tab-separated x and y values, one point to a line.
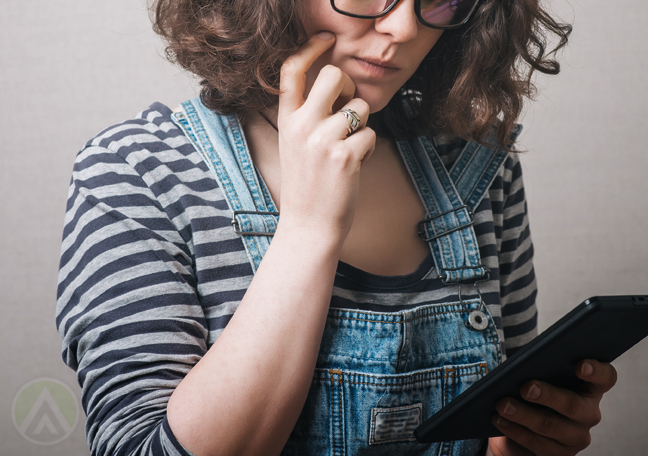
438	14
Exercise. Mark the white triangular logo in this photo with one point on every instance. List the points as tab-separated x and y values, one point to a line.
45	422
46	416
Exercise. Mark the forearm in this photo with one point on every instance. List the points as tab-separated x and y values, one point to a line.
247	392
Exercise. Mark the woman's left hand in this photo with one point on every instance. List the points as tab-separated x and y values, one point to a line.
563	428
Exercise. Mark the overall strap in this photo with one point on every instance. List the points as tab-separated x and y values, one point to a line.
220	142
448	225
477	166
450	199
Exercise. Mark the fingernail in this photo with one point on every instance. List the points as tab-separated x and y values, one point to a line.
534	392
325	35
502	422
587	369
510	408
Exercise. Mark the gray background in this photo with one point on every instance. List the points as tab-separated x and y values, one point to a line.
69	69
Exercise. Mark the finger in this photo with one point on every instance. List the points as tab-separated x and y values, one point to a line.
332	88
544	422
293	71
539	445
601	377
362	144
566	402
339	121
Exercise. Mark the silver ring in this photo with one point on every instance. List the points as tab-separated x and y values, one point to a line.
354	120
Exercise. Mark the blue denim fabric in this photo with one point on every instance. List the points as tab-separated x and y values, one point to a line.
404	366
476	168
220	141
378	375
450	199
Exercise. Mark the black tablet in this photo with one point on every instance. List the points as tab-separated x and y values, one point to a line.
600	328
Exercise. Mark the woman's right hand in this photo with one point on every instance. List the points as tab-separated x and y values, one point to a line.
320	165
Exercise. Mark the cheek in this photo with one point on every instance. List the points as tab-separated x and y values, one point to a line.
431	38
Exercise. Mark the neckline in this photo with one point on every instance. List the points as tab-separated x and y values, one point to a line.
345	271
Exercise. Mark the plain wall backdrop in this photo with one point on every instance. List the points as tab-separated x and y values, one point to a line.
68	69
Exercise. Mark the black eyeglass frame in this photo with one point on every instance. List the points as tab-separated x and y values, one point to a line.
417	10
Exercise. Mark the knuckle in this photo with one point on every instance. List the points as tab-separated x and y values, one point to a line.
535	442
595	419
572	406
317	140
343	154
548	425
584	441
288	67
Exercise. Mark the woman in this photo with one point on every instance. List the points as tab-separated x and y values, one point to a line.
397	274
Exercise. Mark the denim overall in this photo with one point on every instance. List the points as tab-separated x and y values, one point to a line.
378	374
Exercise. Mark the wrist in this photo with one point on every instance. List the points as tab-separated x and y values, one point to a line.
321	238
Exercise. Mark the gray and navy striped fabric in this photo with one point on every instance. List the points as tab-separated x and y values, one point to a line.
151	272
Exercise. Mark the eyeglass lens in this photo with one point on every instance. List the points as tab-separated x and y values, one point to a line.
434	12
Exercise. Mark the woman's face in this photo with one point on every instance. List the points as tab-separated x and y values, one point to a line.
379	55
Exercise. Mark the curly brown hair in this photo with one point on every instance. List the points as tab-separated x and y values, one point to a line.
473	80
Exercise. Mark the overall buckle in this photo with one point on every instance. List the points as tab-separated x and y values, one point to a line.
236	226
421	224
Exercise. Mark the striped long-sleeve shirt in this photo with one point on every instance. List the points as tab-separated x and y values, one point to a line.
151	272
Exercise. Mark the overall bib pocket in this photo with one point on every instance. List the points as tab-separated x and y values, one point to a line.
370	414
380	375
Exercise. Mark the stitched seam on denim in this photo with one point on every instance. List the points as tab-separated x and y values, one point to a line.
339	392
220	173
421	356
442	372
401	321
205	136
426	195
230	191
447	376
255	188
496	340
444	243
462	157
442	174
245	161
418	317
204	154
468	252
413	382
468	160
433	309
423	187
480	181
445	387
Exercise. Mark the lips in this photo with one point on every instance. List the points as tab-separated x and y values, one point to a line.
376	68
381	63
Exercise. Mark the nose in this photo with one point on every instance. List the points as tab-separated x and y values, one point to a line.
401	22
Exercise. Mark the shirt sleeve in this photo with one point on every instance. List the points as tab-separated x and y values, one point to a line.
518	287
128	312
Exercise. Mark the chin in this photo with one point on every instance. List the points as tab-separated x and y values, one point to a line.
376	99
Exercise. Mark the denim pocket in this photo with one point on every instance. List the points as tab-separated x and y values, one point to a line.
351	413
